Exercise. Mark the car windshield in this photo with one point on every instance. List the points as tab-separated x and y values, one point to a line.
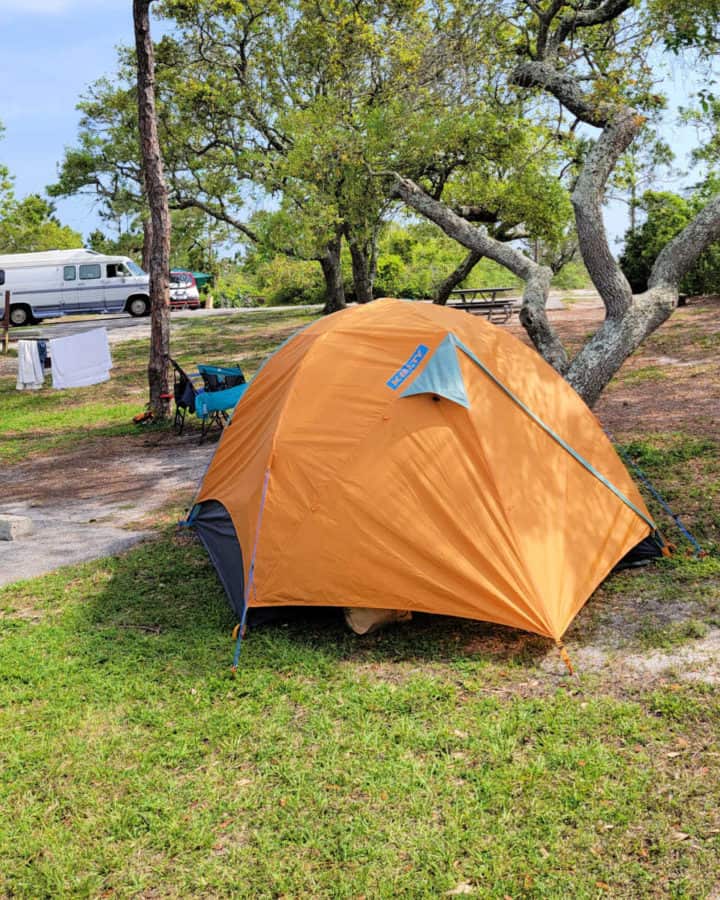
180	278
134	267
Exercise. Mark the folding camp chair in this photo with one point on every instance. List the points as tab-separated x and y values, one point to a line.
185	392
224	386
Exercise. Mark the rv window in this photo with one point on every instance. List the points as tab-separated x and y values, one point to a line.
88	272
2	277
69	273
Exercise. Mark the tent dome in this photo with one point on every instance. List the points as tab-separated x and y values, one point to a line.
407	456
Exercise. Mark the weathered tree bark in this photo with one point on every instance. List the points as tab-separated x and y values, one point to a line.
157	195
587	198
147	242
456	277
362	269
537	278
332	272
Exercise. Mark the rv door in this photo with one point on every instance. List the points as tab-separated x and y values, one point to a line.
115	286
70	302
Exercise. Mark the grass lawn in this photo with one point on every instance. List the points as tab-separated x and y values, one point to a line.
404	764
38	422
444	756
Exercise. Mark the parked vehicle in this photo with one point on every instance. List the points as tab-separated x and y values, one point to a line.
183	290
72	282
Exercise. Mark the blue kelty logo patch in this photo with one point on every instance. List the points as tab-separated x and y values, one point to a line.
405	371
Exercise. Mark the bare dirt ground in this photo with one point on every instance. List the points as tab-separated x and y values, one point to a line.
113	494
100	502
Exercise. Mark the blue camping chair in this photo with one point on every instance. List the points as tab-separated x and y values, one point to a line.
224	386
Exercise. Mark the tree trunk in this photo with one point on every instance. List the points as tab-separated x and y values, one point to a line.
332	271
456	277
147	242
587	199
363	275
157	195
616	339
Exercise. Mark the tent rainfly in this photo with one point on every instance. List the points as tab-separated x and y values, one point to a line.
406	456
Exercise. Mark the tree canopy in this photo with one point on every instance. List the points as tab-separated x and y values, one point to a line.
301	125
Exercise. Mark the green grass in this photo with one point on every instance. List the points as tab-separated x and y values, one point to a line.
654	636
400	765
686	471
39	421
645	373
659	451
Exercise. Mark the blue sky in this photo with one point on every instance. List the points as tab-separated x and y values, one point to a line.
51	51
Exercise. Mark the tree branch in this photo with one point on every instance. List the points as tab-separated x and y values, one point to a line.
535	73
220	214
587	198
536	278
597	15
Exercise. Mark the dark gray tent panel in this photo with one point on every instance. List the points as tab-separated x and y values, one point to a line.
217	532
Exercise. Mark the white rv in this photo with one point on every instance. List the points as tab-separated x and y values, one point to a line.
71	282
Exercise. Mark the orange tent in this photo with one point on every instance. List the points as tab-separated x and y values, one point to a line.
407	456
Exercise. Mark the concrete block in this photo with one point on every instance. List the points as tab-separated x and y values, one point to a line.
12	528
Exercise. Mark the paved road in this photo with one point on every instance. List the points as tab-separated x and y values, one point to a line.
132	328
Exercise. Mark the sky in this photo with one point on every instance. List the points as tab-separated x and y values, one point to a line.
53	49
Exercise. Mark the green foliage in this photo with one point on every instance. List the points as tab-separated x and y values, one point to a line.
572	276
390	271
127	243
282	280
684	25
413	260
666	216
198	241
6	185
30	225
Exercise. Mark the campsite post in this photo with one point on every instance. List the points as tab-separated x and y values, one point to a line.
6	322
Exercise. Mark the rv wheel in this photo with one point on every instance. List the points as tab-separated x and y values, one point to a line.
19	316
137	306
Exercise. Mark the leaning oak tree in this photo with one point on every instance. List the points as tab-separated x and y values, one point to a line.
587	56
157	198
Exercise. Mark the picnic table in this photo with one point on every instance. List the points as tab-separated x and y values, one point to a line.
484	302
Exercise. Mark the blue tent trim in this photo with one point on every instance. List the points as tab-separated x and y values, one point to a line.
441	376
